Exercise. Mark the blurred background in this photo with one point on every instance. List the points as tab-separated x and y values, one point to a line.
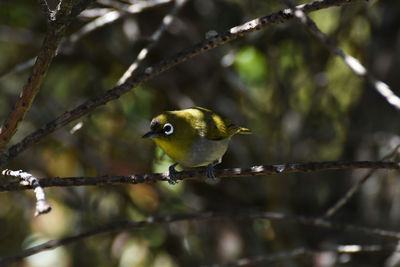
301	102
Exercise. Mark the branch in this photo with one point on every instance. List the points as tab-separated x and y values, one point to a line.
200	174
276	217
151	72
46	10
58	23
167	20
354	189
42	206
39	71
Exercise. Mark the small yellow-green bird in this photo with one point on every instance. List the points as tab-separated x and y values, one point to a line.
193	137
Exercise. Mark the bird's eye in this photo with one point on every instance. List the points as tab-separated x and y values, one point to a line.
168	128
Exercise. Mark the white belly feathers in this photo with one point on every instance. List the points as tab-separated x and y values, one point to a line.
205	151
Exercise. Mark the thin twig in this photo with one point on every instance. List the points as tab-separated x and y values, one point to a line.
50	14
42	206
154	38
93	25
156	69
200	173
93	13
19	67
349	194
354	189
350	61
277	217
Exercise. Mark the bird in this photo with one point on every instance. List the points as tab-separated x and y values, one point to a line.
193	137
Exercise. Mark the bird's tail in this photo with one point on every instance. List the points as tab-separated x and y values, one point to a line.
234	129
243	130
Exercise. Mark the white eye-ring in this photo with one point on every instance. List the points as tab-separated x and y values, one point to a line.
168	128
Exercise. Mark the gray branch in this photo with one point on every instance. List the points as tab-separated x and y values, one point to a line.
200	174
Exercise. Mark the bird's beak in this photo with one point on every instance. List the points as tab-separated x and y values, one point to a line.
151	135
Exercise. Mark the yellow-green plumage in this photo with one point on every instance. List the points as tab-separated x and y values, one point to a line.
199	136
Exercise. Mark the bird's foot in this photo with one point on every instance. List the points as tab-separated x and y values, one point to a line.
172	174
210	176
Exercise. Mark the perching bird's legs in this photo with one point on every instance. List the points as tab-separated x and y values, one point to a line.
210	171
210	177
172	174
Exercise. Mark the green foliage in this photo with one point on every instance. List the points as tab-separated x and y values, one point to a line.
251	65
327	20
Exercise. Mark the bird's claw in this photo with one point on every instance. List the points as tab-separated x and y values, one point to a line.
210	172
172	174
210	176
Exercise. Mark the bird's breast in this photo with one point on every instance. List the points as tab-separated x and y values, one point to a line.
204	151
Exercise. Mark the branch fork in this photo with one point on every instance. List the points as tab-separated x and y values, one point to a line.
27	179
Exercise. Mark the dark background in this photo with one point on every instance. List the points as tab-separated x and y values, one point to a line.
301	102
